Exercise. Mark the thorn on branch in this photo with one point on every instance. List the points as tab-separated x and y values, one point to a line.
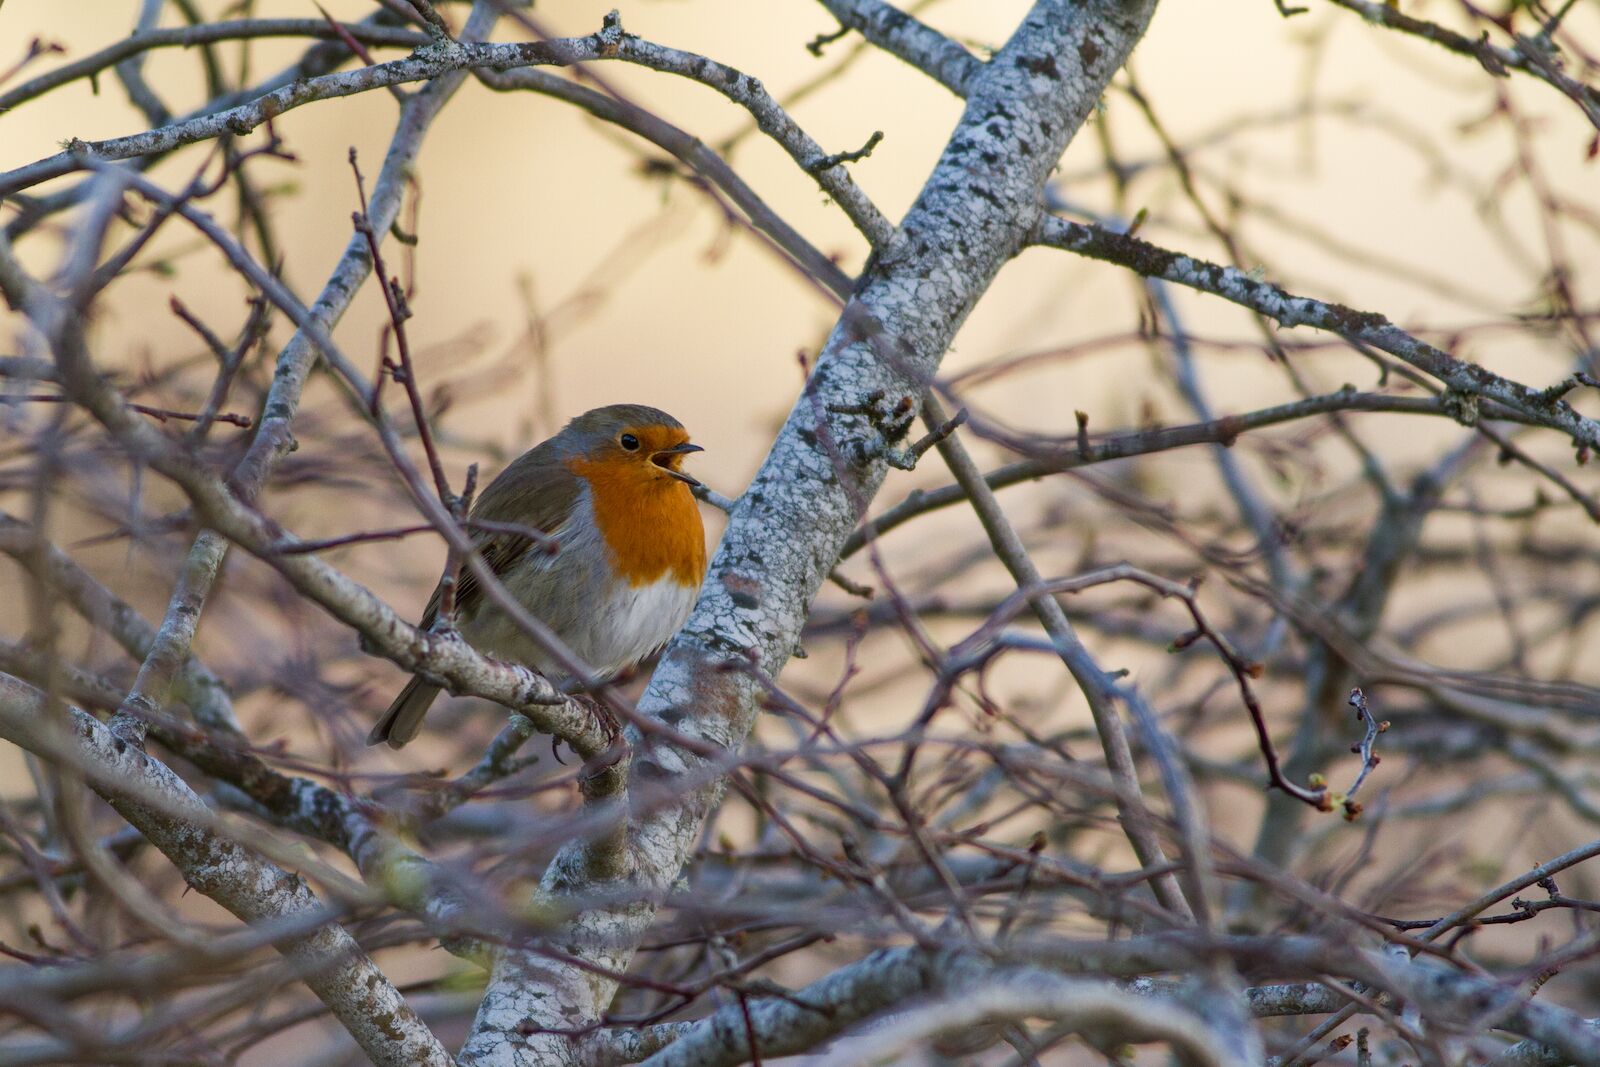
820	165
821	40
402	308
1289	12
611	33
931	439
1463	407
1484	53
1549	397
850	585
37	47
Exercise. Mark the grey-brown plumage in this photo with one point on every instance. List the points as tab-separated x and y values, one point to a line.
607	621
403	720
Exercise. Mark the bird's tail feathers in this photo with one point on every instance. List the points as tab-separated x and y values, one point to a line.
403	720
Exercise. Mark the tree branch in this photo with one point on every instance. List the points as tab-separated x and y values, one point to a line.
1466	380
907	38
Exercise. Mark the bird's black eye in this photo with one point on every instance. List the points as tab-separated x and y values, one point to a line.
628	441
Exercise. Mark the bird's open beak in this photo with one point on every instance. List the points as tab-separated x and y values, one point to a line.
664	459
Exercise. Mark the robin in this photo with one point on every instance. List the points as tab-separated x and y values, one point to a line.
630	551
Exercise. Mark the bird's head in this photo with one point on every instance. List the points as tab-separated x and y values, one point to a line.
630	443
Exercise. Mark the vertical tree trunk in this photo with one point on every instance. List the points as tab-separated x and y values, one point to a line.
974	213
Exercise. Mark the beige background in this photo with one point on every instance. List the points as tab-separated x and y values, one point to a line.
651	299
519	185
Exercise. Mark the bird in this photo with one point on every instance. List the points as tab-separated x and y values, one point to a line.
610	492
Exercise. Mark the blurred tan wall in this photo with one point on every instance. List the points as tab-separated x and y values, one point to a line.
707	328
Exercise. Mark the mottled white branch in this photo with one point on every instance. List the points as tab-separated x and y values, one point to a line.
892	977
1468	1000
428	62
836	1002
405	877
143	41
907	38
444	56
865	989
1531	1053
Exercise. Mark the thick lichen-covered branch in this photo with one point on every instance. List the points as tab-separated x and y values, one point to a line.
973	215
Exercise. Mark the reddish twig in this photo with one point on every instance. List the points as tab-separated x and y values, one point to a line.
395	300
230	359
542	541
37	47
459	506
358	48
160	414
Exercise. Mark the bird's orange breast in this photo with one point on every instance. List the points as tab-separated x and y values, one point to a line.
650	523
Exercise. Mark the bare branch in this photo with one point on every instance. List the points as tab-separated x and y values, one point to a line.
253	889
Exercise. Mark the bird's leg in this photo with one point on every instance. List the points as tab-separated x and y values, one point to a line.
608	725
603	715
599	768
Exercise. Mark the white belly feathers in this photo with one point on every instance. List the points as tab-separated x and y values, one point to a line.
609	623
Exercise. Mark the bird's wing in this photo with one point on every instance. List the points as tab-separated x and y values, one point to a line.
536	491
